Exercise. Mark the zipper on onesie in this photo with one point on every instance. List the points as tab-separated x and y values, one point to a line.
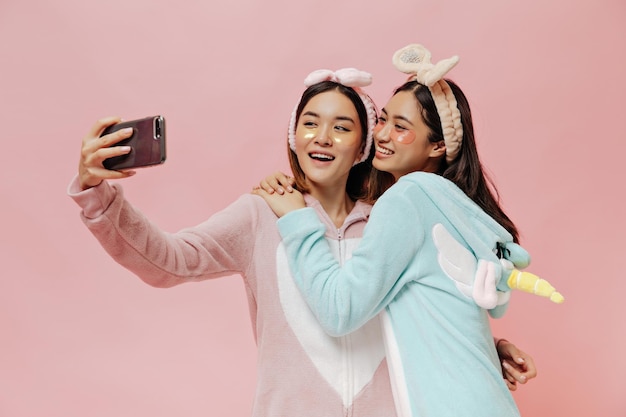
346	343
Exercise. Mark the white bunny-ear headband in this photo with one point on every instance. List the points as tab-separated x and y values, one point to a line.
349	77
414	59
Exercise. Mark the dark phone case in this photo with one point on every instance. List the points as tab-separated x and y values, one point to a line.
147	144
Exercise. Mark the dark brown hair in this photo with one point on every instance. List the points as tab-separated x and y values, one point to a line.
356	187
466	170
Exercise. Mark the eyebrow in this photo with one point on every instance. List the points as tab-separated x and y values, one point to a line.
346	118
400	117
311	113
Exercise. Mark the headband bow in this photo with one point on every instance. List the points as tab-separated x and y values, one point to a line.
414	59
348	77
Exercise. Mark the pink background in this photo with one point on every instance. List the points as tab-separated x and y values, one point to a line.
81	336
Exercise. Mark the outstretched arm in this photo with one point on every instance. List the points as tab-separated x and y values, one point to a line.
219	246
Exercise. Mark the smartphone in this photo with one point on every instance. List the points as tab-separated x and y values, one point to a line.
147	144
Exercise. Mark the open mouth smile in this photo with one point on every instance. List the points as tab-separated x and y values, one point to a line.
321	156
384	151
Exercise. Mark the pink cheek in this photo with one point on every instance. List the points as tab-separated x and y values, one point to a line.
405	138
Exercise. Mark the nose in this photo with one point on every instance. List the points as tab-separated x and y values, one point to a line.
323	136
382	134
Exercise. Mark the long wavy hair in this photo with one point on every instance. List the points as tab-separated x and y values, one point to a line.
466	170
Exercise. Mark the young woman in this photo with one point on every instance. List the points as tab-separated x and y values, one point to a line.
301	370
438	340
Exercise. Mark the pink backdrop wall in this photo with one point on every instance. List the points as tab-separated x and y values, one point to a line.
81	336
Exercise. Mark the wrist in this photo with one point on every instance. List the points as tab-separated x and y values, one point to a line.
499	342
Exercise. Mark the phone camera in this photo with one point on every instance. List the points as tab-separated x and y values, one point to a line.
157	128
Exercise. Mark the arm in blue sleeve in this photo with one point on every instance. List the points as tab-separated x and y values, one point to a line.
345	298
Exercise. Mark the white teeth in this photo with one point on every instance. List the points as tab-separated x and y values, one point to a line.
322	156
384	151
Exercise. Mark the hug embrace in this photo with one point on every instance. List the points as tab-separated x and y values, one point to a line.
356	302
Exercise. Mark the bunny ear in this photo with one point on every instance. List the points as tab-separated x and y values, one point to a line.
415	59
353	77
439	70
318	76
411	58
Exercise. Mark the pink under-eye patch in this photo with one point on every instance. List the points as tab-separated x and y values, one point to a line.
407	137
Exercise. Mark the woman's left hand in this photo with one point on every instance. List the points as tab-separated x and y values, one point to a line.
281	204
277	182
517	365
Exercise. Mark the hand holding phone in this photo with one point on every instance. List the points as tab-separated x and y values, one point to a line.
147	144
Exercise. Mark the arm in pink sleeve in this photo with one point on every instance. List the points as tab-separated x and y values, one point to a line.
222	245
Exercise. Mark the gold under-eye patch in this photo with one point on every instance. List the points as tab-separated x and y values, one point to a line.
313	132
348	77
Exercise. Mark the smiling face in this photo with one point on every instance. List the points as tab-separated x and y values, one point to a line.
401	138
328	139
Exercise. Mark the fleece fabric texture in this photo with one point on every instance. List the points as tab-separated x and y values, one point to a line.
301	370
439	344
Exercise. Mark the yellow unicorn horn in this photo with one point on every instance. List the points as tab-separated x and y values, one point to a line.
531	283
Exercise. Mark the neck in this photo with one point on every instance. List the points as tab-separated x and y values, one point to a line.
335	202
432	167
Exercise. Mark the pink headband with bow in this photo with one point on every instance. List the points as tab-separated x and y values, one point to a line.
349	77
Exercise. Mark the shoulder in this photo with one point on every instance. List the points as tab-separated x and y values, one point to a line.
246	212
437	188
427	181
252	203
414	186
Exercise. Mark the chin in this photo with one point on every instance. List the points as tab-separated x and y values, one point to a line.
379	164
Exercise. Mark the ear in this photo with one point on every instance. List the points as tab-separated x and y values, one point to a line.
438	149
358	158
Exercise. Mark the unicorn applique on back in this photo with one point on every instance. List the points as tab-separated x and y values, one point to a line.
483	280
